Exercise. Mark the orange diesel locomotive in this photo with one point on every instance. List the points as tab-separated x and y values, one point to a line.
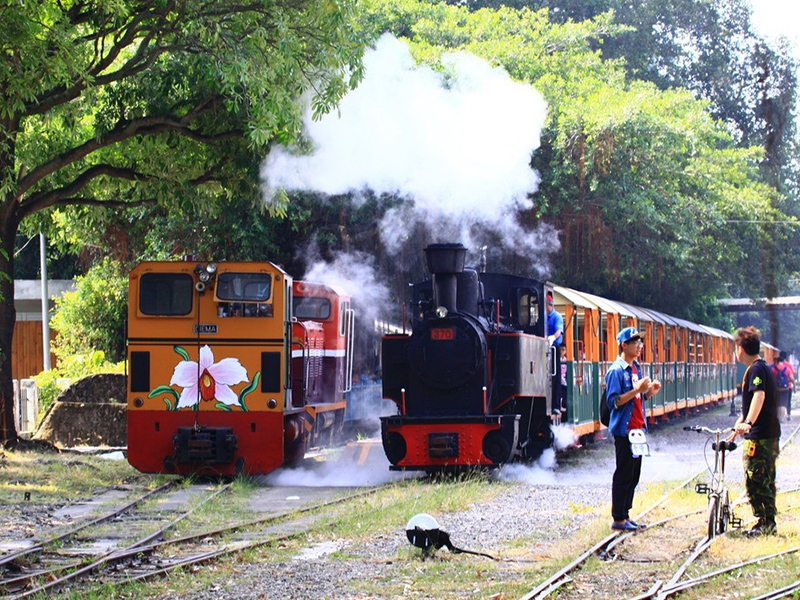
233	367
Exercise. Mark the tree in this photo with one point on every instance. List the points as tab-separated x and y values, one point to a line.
711	49
121	104
645	184
648	190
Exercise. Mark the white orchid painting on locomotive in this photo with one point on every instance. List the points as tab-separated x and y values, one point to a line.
472	380
237	368
233	367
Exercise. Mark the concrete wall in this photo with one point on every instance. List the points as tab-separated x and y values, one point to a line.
26	405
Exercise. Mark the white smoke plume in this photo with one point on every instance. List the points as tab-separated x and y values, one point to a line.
349	470
543	470
457	147
564	437
355	274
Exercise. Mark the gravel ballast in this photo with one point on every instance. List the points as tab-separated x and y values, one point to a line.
545	505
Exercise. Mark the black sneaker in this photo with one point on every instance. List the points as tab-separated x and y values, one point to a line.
762	529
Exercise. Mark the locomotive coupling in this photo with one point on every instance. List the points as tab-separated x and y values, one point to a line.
211	445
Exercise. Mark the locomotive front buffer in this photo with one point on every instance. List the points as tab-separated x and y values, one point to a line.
449	444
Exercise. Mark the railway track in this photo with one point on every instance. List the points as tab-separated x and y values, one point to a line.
139	540
670	538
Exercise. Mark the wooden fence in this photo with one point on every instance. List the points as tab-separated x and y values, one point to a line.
27	357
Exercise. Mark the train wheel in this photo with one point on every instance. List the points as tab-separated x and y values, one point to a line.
294	453
338	428
536	445
395	447
496	448
531	452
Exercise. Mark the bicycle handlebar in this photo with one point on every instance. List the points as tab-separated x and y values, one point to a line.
707	430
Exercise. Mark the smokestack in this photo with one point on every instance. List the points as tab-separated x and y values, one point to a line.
445	262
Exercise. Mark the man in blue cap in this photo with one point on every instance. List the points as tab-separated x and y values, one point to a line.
626	391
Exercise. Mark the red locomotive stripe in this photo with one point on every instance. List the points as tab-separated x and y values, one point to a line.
259	438
470	443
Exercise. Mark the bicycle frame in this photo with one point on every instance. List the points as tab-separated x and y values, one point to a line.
720	513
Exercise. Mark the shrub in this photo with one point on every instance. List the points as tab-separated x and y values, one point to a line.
92	318
51	383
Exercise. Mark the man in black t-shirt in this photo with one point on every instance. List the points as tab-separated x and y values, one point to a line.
761	429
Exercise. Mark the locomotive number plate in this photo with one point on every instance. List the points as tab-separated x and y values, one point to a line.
443	333
205	328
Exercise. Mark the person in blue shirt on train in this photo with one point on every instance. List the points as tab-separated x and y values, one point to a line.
626	391
555	330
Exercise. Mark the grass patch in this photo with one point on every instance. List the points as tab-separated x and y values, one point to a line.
395	505
51	478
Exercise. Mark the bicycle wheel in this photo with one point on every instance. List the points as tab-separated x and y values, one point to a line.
724	513
712	516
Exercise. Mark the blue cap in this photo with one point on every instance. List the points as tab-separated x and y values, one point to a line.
627	334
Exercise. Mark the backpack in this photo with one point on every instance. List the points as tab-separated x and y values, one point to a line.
781	377
605	412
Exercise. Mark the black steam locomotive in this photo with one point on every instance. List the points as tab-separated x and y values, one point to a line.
473	381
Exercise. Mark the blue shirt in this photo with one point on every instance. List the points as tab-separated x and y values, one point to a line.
555	322
619	380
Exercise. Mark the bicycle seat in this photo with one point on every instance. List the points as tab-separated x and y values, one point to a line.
724	446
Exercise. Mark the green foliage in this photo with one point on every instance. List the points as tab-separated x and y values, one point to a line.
124	104
524	42
667	182
647	187
92	318
128	104
711	49
51	383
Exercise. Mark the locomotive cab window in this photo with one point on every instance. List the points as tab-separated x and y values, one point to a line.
244	295
312	307
528	308
166	294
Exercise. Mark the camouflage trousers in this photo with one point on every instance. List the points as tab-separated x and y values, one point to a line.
759	458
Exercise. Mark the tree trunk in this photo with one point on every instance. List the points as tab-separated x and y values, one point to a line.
774	117
8	231
9	223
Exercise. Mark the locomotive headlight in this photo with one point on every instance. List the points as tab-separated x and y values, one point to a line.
204	276
211	268
441	312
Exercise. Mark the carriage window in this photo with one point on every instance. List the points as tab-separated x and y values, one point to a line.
244	295
528	308
310	307
166	293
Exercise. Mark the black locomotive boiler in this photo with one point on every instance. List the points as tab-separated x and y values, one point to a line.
472	382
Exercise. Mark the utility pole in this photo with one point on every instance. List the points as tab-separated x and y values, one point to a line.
45	303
